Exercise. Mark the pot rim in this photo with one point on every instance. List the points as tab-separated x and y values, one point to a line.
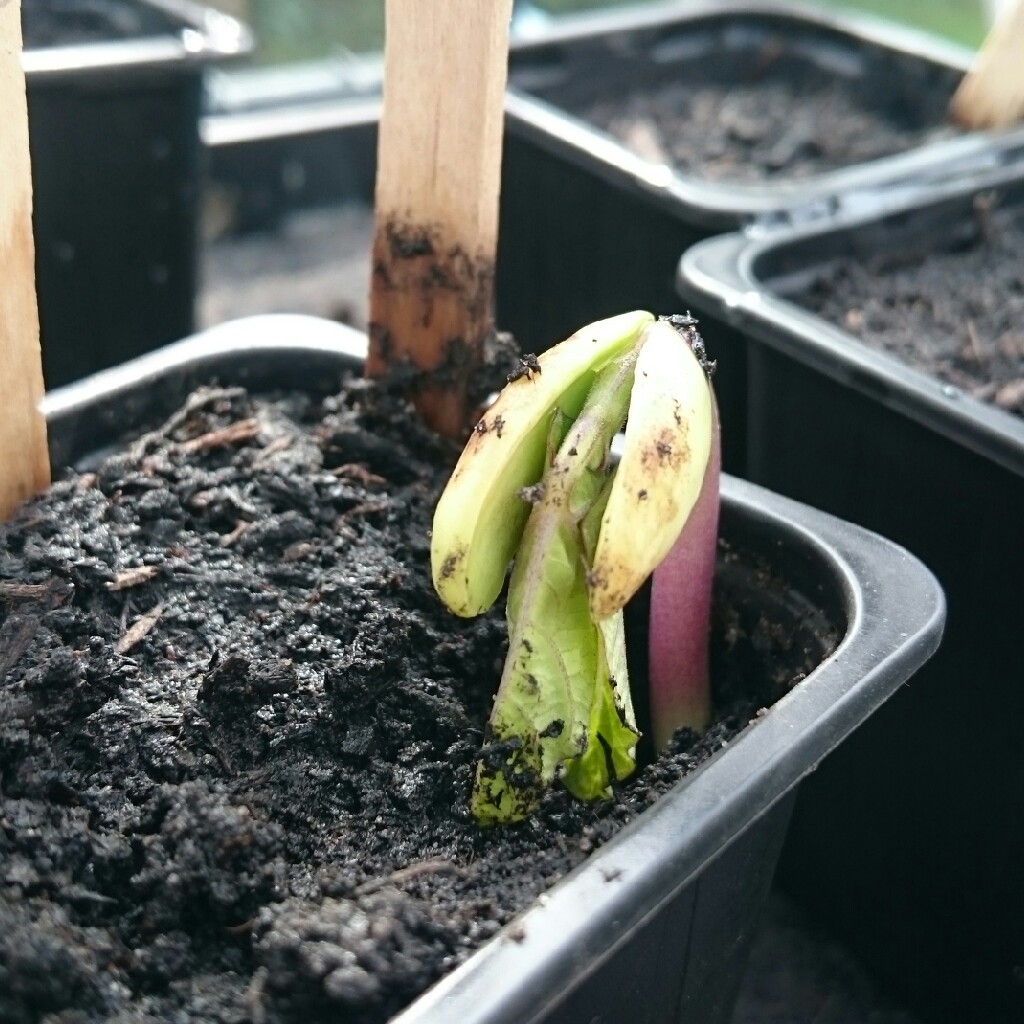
204	35
722	205
721	272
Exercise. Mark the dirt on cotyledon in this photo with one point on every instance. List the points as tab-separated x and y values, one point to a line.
238	729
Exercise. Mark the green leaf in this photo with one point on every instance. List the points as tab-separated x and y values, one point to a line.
542	712
612	736
562	708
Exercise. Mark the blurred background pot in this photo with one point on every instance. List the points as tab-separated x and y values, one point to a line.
918	865
636	133
114	94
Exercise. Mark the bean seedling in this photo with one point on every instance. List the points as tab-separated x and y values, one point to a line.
537	486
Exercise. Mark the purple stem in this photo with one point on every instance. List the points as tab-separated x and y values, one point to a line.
680	616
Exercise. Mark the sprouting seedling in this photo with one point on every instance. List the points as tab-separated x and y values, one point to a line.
536	486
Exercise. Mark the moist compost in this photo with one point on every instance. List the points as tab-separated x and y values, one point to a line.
238	729
73	22
955	311
778	117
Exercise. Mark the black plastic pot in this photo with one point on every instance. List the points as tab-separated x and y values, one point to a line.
918	863
655	926
589	227
116	167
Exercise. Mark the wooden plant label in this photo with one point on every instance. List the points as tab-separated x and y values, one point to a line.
439	165
24	462
991	94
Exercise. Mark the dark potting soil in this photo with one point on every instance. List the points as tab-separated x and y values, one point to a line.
72	22
238	730
956	311
781	118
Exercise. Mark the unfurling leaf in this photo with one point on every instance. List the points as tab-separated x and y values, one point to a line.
536	485
479	519
666	449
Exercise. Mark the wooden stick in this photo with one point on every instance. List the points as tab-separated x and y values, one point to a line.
24	461
992	92
438	177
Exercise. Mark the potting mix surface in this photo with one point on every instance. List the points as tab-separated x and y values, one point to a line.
955	310
238	729
780	119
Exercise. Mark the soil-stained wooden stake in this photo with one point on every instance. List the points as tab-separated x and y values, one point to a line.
992	92
438	176
24	462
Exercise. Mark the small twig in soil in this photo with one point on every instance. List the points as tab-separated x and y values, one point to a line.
133	577
364	508
206	399
432	866
235	433
279	444
53	593
353	471
972	336
141	628
229	538
22	591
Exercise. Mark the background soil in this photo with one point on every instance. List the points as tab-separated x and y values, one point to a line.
237	729
954	310
752	133
771	114
316	262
